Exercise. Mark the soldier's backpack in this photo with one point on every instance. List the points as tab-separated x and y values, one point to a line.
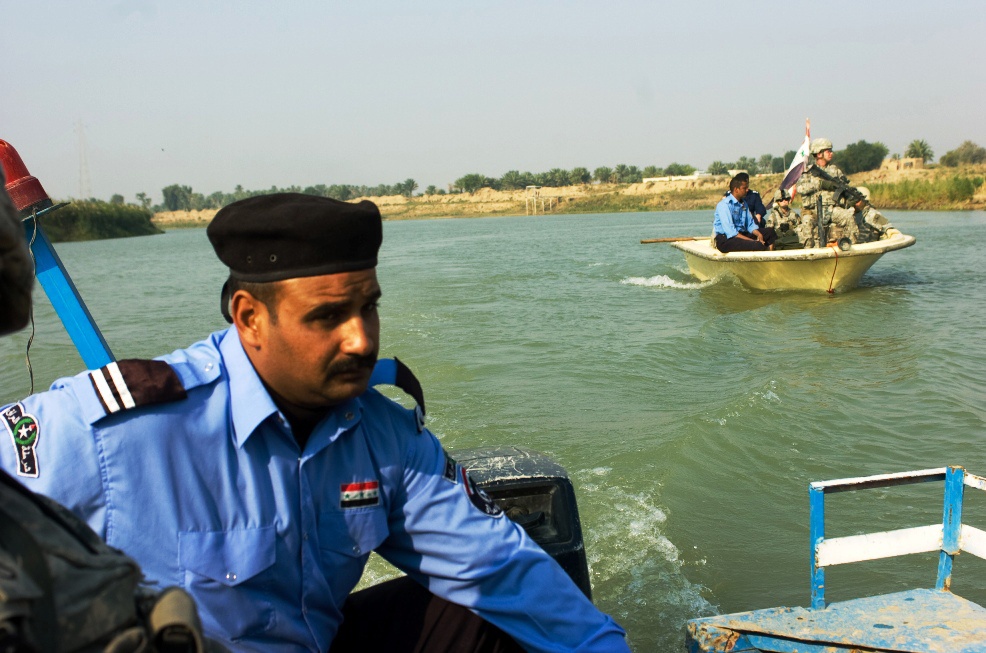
62	589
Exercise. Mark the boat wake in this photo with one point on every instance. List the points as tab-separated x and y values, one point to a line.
664	281
629	555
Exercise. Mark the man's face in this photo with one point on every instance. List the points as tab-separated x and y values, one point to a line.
824	157
323	345
740	193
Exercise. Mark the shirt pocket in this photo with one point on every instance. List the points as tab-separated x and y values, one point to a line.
225	572
346	540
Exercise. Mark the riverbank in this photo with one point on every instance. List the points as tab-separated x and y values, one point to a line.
936	189
96	220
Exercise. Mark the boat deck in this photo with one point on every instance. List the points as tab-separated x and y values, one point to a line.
916	621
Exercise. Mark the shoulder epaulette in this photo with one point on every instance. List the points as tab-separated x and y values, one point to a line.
127	384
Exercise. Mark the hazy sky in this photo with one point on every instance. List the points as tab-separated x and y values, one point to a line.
213	94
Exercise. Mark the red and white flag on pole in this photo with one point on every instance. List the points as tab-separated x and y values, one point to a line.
799	163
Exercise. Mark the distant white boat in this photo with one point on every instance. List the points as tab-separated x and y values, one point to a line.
821	268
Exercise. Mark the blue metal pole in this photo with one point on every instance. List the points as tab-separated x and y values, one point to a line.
66	300
951	525
816	533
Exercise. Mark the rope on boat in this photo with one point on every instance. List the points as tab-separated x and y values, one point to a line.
835	249
34	263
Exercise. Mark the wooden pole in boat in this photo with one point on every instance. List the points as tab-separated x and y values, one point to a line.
674	239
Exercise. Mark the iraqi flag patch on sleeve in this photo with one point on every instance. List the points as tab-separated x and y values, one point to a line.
24	431
359	495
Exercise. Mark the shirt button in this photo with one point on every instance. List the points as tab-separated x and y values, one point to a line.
356	549
230	576
304	536
350	415
208	366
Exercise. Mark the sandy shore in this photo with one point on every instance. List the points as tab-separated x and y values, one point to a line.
676	194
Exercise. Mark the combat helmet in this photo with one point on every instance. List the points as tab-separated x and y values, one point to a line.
781	194
820	145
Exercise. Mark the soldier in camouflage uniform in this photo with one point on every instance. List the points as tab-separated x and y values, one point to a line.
839	220
871	223
784	221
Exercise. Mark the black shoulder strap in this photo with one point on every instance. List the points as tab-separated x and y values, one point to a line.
409	383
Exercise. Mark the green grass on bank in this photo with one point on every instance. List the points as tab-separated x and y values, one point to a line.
95	220
676	200
942	193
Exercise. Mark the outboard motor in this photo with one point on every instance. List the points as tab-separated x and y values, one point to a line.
535	492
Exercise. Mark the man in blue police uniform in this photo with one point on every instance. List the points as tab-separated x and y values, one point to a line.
258	471
753	201
733	224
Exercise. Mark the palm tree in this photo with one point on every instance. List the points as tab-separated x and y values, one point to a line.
717	168
919	149
408	186
621	173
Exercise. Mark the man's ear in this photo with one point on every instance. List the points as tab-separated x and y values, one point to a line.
251	318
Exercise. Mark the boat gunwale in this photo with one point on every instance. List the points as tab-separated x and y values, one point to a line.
703	249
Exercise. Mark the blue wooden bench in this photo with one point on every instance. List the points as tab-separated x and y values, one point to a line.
915	621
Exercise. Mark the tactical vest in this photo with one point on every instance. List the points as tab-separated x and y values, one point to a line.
62	589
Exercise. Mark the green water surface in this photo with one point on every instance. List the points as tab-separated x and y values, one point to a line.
690	415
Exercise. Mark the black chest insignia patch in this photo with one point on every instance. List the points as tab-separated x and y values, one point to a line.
24	431
478	497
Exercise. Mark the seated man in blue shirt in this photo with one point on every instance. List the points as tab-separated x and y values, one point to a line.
257	469
734	226
753	201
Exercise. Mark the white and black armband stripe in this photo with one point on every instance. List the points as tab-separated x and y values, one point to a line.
127	384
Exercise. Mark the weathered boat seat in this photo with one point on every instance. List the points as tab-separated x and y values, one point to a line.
915	621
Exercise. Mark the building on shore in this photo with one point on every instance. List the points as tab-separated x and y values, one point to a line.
902	164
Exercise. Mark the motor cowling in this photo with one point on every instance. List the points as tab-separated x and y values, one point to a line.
535	492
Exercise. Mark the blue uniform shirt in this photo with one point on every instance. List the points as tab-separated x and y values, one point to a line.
212	493
732	216
755	203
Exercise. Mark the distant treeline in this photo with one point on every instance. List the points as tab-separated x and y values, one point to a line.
856	157
183	198
95	219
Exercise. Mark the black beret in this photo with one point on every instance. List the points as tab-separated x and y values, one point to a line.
290	235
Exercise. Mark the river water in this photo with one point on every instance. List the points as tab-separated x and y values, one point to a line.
691	416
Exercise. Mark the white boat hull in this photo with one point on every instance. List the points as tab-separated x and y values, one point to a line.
823	268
